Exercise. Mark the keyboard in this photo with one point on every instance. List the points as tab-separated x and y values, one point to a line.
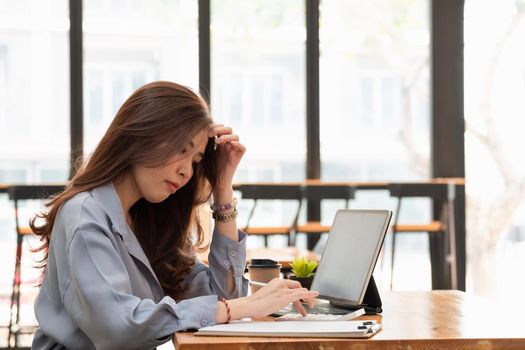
323	308
308	317
321	317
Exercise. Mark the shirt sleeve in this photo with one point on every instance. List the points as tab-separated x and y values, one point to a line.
100	300
226	256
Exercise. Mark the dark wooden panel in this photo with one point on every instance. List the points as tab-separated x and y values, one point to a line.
448	127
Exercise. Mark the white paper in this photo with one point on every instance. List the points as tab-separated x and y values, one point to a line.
292	328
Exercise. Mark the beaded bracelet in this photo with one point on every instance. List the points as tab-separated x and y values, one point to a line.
228	312
224	207
224	217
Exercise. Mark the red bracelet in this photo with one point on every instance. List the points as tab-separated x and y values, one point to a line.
228	313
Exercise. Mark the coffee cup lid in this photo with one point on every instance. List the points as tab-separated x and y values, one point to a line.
264	263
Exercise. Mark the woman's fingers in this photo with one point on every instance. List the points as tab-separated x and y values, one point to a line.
303	294
292	283
300	308
281	292
224	135
219	129
211	129
215	125
238	146
226	138
310	300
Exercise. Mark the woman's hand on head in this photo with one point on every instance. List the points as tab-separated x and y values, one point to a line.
277	294
229	153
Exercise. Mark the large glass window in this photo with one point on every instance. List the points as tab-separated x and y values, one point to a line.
494	143
128	44
34	90
34	98
34	123
258	88
258	83
3	82
375	113
375	90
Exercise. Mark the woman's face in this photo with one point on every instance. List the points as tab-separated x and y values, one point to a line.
156	184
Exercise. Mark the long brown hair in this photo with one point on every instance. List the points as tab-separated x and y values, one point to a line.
154	123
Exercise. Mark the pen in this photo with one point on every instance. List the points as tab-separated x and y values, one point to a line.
257	284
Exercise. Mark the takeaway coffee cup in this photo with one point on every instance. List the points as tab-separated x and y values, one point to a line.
263	270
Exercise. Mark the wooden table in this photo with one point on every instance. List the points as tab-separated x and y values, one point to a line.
361	185
411	320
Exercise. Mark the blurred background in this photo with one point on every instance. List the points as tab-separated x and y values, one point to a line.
375	107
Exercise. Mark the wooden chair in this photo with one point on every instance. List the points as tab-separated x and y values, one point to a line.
262	192
444	225
16	194
319	193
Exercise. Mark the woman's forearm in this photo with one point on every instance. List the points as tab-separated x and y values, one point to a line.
239	308
227	228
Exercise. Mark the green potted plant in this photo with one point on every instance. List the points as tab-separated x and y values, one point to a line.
303	271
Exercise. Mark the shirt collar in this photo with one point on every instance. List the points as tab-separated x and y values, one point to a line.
109	200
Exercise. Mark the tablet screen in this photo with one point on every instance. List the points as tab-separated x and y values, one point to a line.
350	254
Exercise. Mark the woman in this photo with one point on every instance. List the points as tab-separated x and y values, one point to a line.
120	241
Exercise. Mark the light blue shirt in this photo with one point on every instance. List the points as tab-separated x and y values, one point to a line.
99	290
